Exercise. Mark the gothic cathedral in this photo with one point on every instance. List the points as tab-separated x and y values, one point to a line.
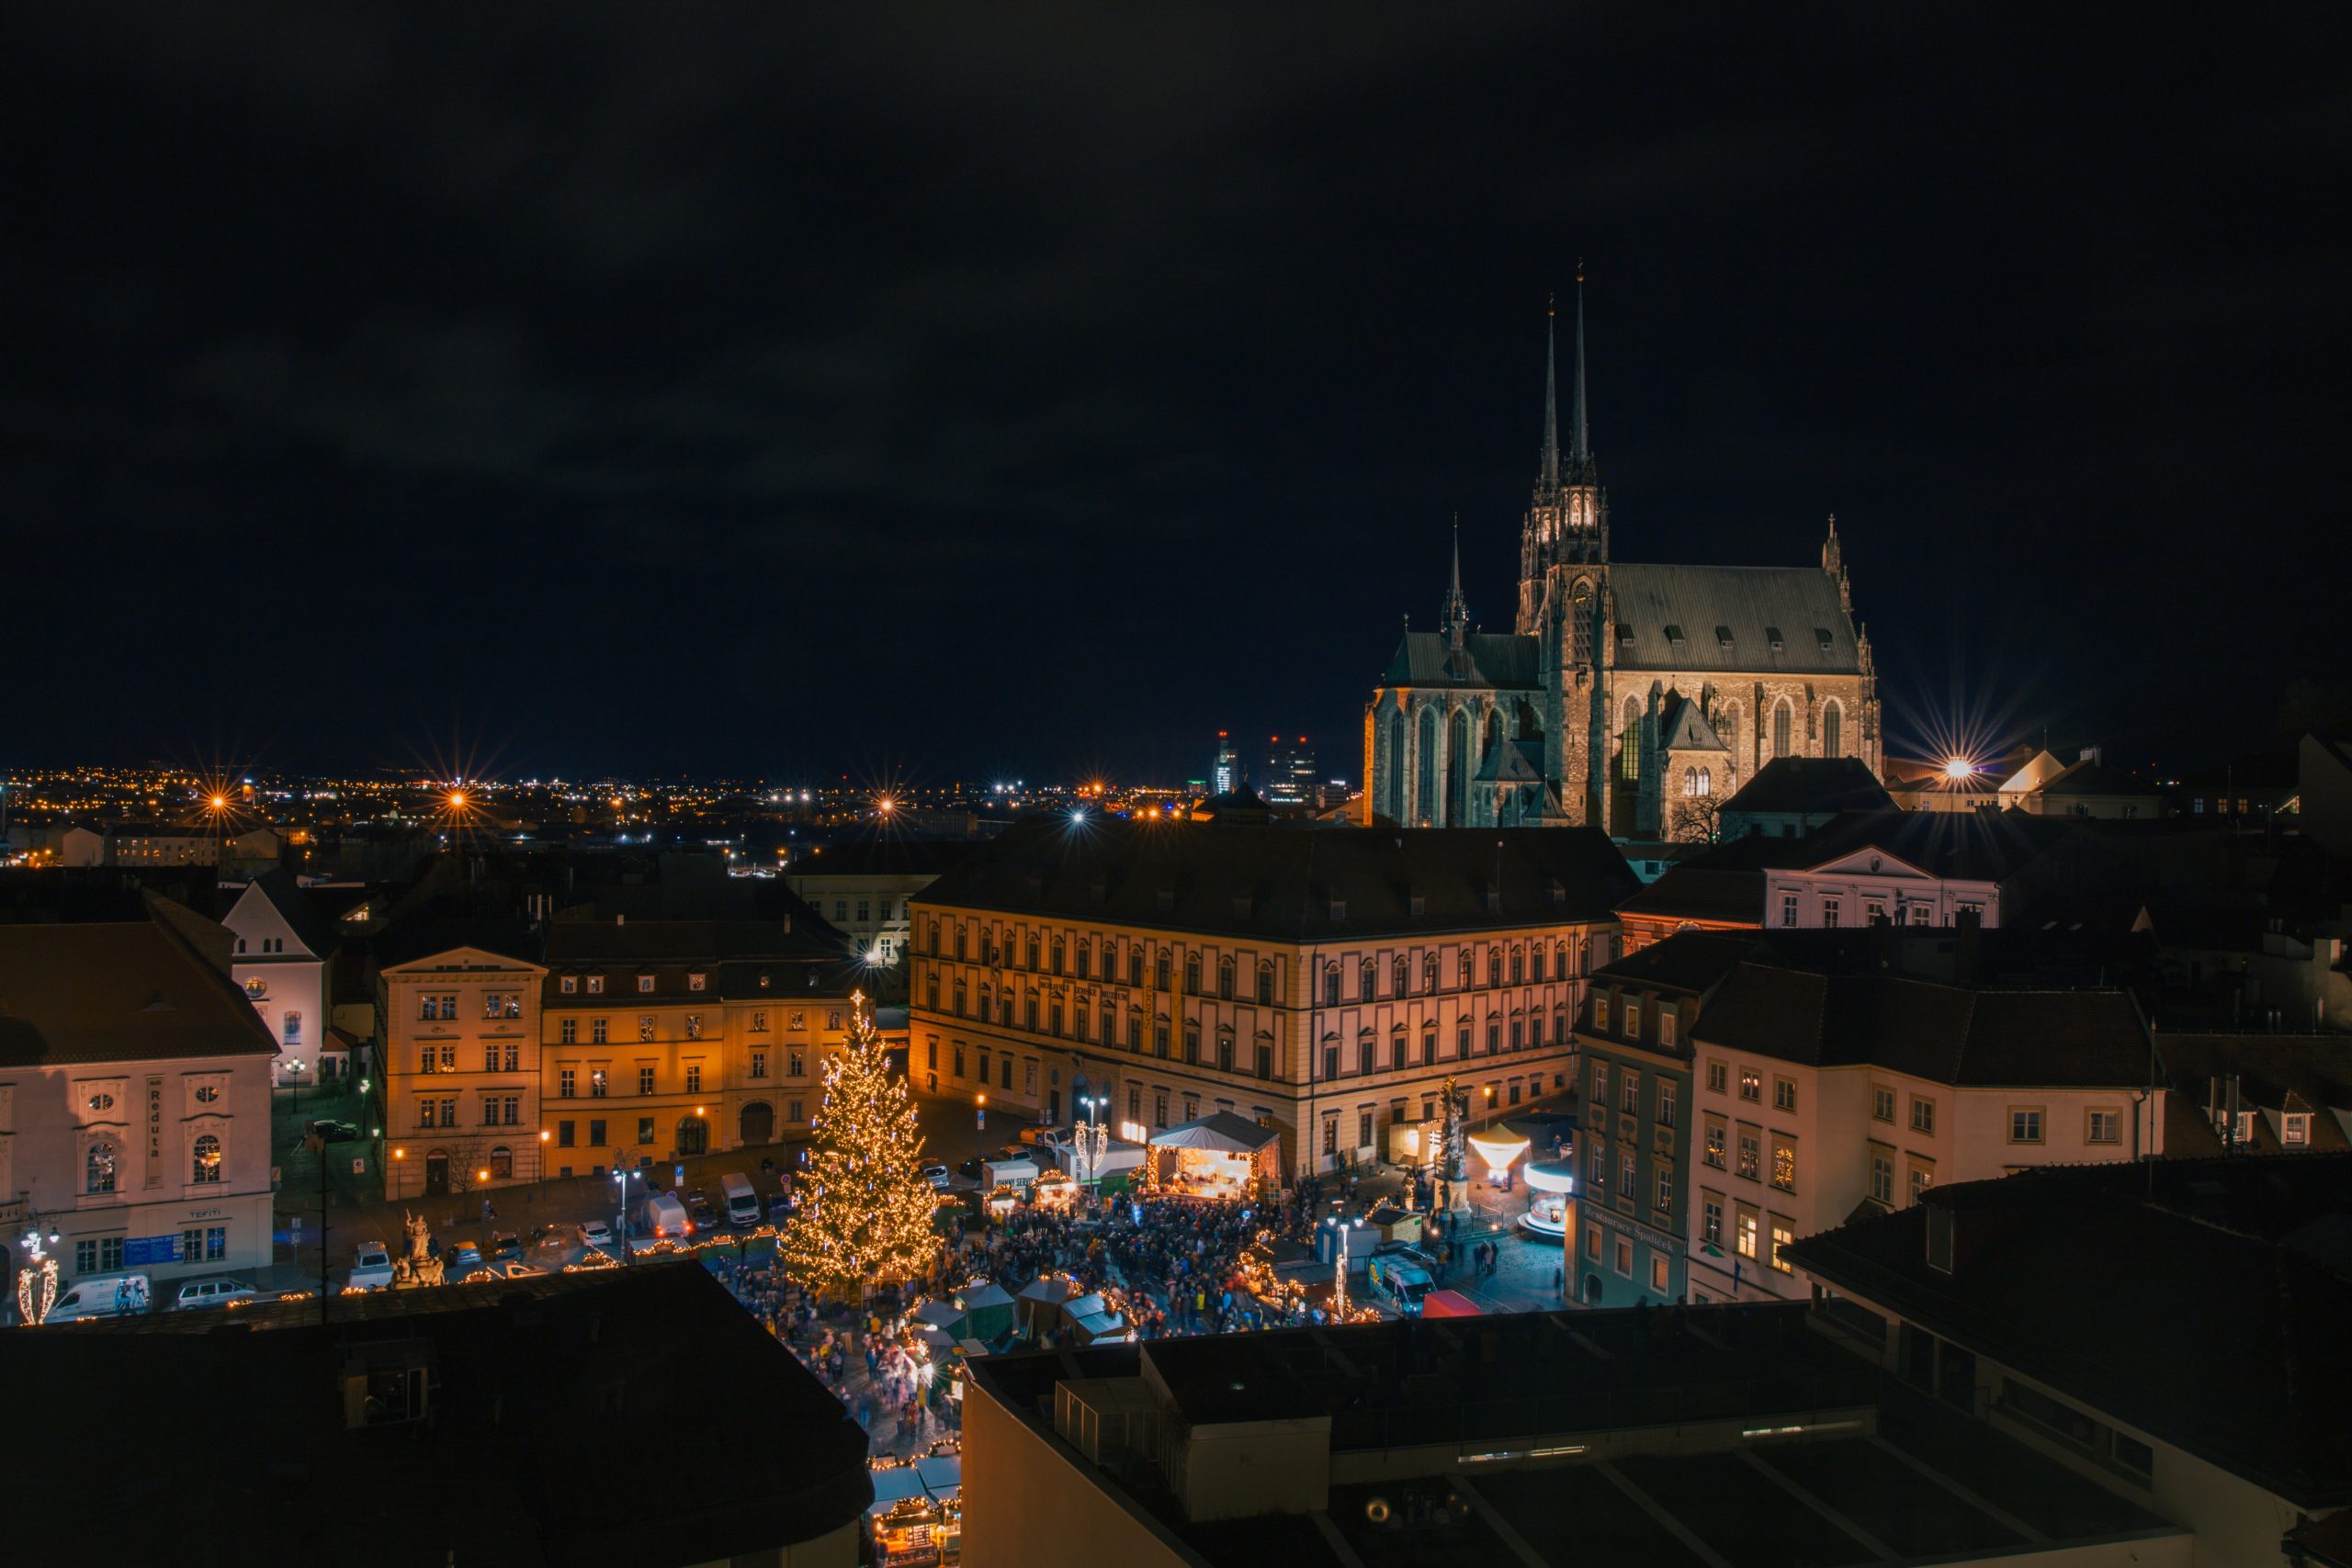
1630	696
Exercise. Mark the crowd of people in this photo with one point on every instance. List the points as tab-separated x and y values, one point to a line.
867	1355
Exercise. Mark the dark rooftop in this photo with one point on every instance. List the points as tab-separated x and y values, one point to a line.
891	856
573	1418
1280	883
1811	785
123	991
2097	1279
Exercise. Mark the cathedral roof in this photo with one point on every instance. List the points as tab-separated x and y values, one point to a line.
1687	729
1761	619
1499	660
1514	762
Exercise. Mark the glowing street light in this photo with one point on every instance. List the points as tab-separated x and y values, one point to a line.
1958	768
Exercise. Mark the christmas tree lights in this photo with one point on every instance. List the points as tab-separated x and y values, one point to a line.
865	1212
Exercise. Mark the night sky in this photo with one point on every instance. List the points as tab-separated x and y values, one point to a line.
974	391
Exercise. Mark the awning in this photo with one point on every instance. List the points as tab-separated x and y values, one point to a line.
1221	1131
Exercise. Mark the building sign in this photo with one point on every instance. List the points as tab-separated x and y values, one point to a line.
154	1131
144	1251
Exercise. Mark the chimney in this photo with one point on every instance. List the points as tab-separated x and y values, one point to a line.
1969	932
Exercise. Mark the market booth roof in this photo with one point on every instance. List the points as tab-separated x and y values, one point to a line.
1220	1130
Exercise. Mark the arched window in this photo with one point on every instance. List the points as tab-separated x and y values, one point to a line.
1367	980
1464	979
1192	974
1266	982
1429	974
1580	622
1425	769
1629	744
1401	974
1493	733
97	1167
1494	966
1706	781
1396	798
963	941
1689	781
1457	768
1330	984
502	1164
1517	966
1225	978
1057	955
1160	971
1782	718
1833	725
205	1159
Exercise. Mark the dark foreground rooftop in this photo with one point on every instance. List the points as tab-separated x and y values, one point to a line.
631	1416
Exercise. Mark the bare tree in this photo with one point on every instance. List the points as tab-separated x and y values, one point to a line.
1696	820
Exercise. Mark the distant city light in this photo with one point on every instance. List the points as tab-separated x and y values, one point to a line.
457	800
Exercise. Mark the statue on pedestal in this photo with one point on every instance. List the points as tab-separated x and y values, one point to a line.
416	1267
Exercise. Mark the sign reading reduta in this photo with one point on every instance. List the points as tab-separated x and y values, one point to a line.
155	1132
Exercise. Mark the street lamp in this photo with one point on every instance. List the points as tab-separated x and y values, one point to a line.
980	1123
621	1174
294	1065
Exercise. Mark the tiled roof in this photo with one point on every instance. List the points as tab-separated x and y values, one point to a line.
2097	1280
1966	846
1754	604
116	993
884	857
1687	961
1291	883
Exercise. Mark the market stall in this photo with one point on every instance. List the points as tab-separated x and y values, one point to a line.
1220	1155
988	1312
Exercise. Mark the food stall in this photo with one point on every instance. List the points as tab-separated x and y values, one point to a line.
1055	1191
988	1312
1220	1155
905	1520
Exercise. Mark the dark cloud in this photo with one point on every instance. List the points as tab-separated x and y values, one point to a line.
994	387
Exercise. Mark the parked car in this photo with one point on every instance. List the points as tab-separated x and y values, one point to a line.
333	1132
1031	1134
701	1215
937	1174
780	1204
212	1293
970	1170
371	1267
465	1255
505	1243
596	1233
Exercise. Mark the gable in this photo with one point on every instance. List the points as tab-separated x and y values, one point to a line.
458	960
256	923
1870	863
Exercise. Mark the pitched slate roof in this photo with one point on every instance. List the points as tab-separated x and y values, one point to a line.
1817	784
298	910
1722	881
1946	1034
1966	846
2086	1278
884	857
2097	778
1752	602
1501	661
1290	884
1687	961
132	991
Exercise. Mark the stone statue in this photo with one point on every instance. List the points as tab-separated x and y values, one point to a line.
1454	1192
417	1267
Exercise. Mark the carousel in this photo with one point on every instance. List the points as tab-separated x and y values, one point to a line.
1550	1184
1497	1149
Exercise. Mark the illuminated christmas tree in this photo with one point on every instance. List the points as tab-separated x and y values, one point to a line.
865	1211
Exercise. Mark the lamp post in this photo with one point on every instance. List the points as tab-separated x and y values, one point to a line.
980	1123
621	1174
294	1065
1093	1141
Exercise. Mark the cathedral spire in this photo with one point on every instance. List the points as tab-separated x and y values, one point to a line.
1457	612
1581	452
1551	395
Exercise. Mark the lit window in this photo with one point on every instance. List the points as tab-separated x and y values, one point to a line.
205	1159
1751	1084
1784	1163
1783	1235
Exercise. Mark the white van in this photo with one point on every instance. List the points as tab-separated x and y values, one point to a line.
661	1215
742	1198
371	1267
100	1295
212	1293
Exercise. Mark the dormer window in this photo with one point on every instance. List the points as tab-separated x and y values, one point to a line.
1625	632
1821	636
1673	636
644	983
595	984
1722	638
1772	636
694	982
569	985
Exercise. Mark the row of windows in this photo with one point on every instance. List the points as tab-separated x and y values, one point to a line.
102	1164
497	1111
1874	911
1668	1021
103	1254
1750	1152
567	1077
1525	963
570	986
1749	1226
